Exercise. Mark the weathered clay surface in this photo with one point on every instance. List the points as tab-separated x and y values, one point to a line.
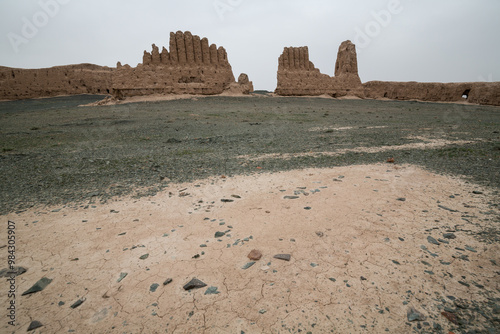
190	67
18	84
487	93
298	76
359	261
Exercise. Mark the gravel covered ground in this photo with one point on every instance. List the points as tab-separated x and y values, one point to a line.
52	151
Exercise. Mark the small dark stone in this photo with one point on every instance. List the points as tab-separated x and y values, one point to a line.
470	249
449	236
447	209
219	234
144	257
78	303
194	284
401	239
16	271
464	283
168	281
122	276
285	257
197	256
414	315
212	291
291	197
307	208
248	265
38	286
153	287
396	262
433	241
236	196
363	278
224	200
34	325
402	199
477	192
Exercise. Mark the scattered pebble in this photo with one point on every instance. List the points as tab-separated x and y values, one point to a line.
255	255
38	286
34	325
16	271
284	257
248	265
78	303
433	241
291	197
122	276
144	257
449	236
167	281
414	315
153	287
212	291
219	234
194	284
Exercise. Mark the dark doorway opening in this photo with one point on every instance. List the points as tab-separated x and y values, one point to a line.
465	94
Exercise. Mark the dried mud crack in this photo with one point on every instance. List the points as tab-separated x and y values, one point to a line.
341	240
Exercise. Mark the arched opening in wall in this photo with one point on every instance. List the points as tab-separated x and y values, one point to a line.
107	90
465	94
385	94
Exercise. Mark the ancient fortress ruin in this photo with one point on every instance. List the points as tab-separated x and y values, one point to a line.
297	76
193	66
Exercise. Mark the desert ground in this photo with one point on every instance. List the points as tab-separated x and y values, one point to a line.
250	215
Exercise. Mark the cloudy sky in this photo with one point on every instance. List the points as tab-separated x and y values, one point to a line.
397	40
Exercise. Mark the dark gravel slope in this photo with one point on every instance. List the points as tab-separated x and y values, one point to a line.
52	151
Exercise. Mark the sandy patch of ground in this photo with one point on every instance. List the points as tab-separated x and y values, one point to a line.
111	101
358	236
427	143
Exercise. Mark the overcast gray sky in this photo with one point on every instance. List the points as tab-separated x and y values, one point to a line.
397	40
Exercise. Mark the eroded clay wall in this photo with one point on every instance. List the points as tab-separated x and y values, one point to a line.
297	75
191	66
61	80
487	93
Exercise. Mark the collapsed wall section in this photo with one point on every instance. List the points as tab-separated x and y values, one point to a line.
18	84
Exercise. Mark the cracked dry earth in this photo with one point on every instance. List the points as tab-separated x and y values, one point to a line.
371	251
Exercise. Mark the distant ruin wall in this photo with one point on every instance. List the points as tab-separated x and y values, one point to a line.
191	66
18	84
486	93
297	75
